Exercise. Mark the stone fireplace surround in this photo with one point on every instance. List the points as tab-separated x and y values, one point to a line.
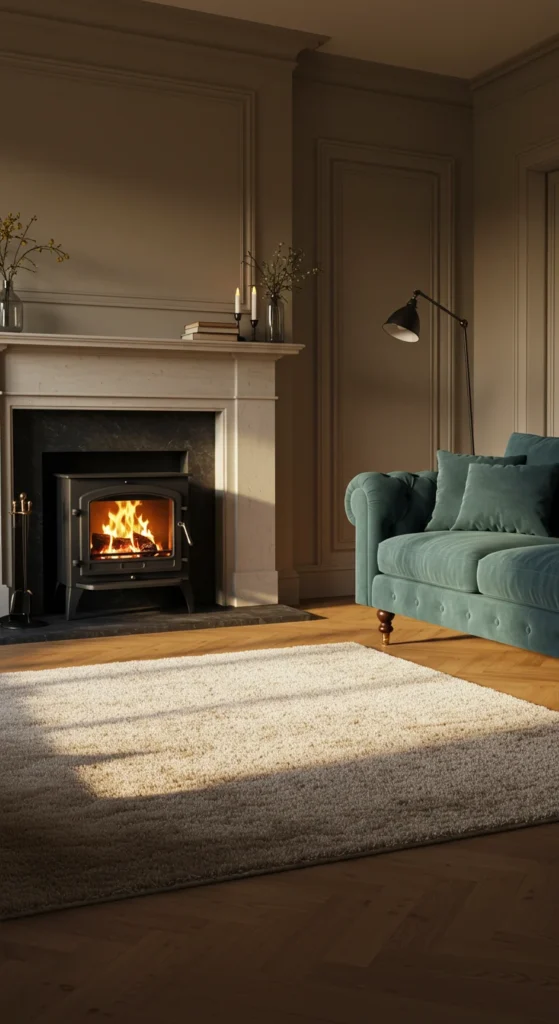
234	380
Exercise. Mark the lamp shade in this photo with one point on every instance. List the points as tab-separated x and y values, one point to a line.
403	324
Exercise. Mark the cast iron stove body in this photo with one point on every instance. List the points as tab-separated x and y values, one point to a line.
117	531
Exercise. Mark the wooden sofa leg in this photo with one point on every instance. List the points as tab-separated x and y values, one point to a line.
385	627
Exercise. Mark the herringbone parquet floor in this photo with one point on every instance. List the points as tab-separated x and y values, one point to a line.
462	932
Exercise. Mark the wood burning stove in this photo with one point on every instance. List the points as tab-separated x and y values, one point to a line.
117	532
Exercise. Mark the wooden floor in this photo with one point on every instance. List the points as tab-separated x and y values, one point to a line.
462	932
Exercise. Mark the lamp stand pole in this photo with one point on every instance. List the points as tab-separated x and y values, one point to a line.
464	325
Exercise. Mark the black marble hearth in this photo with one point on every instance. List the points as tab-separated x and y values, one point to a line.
47	441
57	628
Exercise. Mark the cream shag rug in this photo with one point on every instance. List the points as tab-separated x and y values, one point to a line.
137	777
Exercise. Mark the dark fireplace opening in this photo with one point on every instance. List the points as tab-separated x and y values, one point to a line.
168	459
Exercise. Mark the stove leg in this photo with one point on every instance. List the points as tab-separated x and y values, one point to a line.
186	590
72	600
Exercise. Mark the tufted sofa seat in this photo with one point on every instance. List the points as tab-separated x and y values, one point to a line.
448	559
525	576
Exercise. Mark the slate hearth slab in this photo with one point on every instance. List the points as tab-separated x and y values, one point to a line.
57	628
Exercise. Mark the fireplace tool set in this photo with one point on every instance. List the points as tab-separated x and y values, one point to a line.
19	616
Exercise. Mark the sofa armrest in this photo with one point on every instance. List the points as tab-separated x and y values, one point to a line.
382	505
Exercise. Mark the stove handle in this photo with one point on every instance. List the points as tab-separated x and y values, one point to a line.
189	540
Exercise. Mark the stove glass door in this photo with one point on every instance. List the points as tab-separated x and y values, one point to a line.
125	528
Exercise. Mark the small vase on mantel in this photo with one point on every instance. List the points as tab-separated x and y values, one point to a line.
11	309
275	319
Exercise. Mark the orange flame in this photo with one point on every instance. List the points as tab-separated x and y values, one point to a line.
127	524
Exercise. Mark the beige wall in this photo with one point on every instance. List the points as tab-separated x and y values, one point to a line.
383	202
158	150
155	162
516	148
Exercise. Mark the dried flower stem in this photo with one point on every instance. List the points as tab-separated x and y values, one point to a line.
283	273
15	247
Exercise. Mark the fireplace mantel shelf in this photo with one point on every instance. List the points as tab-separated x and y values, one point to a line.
177	345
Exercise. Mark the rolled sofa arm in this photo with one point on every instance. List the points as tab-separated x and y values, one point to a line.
382	505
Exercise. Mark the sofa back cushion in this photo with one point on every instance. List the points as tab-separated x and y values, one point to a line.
539	451
451	483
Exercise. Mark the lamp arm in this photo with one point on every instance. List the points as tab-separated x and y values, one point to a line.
464	325
460	319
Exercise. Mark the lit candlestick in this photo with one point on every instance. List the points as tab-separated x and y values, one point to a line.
254	304
238	301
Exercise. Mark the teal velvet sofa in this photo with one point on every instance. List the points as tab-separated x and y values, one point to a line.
501	586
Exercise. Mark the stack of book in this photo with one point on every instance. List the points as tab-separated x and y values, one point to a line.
206	330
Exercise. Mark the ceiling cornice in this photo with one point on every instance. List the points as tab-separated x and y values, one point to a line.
528	70
172	24
383	78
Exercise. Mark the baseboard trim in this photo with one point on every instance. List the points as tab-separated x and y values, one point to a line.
288	587
318	583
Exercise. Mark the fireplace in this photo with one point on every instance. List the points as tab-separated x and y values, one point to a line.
75	404
122	532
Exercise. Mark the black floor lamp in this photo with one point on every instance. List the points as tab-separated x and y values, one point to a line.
404	325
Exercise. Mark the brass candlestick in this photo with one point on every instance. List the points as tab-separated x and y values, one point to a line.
19	616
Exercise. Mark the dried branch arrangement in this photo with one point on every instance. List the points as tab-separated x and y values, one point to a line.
282	273
17	247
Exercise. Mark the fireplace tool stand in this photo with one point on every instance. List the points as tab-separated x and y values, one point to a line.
19	616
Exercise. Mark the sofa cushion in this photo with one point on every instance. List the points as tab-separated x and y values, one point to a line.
529	576
451	483
539	451
508	499
446	559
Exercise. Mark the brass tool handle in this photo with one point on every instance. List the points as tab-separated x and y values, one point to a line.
22	507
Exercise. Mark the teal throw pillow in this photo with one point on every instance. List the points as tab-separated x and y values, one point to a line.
508	499
539	451
451	482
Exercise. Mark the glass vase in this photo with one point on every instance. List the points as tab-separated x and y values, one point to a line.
11	309
275	320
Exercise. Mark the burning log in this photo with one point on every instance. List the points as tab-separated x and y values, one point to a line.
99	541
103	543
145	544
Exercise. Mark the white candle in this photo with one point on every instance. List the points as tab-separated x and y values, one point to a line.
254	304
238	301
